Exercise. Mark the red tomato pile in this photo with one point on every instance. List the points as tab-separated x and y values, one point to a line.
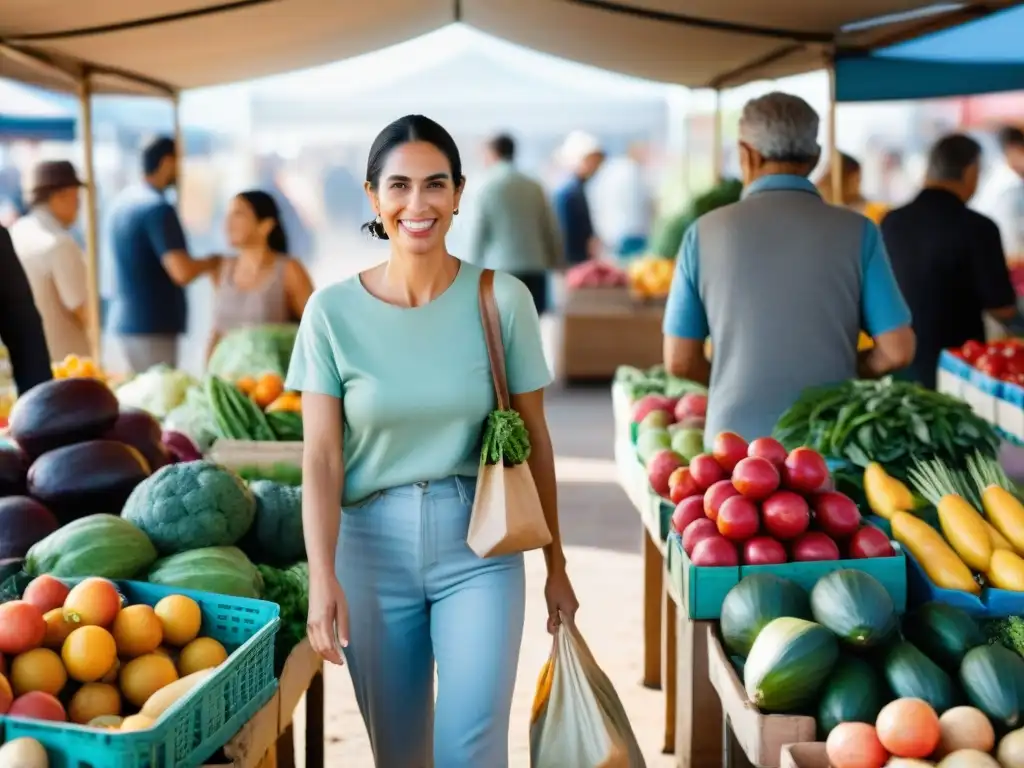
757	504
1002	359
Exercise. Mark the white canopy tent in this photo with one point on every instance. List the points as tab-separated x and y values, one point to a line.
166	46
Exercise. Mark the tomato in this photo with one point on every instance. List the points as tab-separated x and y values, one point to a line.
991	365
972	350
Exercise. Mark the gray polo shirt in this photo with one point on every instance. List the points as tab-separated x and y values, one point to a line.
782	283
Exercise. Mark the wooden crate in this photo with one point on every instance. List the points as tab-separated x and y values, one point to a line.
594	345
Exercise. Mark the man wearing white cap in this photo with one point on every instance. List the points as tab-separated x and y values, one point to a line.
583	155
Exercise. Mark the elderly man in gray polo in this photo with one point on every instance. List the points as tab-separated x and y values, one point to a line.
782	283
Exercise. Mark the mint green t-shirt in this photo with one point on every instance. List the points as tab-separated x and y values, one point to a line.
415	383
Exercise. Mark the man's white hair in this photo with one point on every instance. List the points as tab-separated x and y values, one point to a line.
781	127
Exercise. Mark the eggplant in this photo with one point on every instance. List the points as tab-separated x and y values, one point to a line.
62	412
141	430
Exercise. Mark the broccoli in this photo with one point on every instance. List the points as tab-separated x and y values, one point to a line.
1008	632
505	439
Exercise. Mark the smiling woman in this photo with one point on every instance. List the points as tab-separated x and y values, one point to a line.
396	382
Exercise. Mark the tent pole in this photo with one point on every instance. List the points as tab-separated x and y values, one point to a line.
91	217
717	148
179	143
835	161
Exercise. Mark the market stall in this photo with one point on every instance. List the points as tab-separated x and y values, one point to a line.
852	598
141	581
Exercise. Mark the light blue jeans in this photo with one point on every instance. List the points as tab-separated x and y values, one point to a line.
418	594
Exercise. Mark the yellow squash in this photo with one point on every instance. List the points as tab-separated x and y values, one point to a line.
932	553
1006	514
886	495
998	540
162	700
965	530
1006	571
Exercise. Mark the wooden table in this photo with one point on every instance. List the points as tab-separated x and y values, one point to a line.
267	740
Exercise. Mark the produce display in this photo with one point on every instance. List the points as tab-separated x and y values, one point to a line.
889	422
757	504
252	409
654	381
650	277
595	274
78	654
1003	359
253	352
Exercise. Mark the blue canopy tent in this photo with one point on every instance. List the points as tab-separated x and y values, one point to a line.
985	55
27	114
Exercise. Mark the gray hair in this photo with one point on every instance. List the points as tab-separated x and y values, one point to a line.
781	127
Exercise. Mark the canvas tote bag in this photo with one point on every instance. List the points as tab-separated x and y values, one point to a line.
578	720
507	515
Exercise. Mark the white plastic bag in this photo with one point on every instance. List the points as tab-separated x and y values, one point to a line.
578	720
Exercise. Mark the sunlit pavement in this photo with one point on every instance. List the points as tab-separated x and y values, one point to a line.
602	537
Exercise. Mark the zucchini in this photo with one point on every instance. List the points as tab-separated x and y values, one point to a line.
788	664
911	674
944	633
855	606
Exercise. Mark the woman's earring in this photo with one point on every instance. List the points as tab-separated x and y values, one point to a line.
375	229
456	211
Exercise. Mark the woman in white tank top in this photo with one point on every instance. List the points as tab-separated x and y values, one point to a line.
262	284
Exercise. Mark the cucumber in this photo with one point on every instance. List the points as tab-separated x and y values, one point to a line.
286	425
944	633
854	693
911	674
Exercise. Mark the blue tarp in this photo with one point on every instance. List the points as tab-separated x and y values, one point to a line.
26	113
981	56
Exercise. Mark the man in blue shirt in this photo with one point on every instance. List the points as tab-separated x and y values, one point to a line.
782	283
152	265
583	154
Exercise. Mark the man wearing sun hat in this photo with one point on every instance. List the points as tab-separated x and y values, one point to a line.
53	261
582	154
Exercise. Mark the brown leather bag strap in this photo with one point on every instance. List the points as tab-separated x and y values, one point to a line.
491	320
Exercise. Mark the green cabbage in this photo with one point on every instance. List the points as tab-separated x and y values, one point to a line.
253	352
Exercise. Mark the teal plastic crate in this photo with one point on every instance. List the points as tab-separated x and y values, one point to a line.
700	590
197	725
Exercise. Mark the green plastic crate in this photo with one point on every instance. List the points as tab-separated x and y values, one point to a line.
700	590
197	725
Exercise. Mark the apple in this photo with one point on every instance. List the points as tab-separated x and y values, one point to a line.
686	512
649	403
805	471
687	442
763	550
738	518
691	405
836	514
785	515
660	468
755	478
655	420
729	449
716	495
769	448
705	471
715	551
696	532
681	485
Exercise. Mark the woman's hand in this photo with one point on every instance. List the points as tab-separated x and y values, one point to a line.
327	623
560	597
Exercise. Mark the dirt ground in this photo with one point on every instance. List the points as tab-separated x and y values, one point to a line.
602	538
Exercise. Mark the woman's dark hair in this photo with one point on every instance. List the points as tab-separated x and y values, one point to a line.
402	131
264	207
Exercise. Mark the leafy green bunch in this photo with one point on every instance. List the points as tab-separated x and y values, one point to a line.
506	440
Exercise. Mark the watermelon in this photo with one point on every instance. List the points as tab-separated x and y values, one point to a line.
991	676
911	674
855	606
754	602
854	693
788	664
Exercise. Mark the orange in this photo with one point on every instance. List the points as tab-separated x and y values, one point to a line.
201	653
58	627
142	677
181	619
137	631
268	389
246	385
94	700
93	601
89	653
38	670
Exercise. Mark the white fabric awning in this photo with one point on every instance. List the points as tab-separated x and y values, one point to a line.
164	46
